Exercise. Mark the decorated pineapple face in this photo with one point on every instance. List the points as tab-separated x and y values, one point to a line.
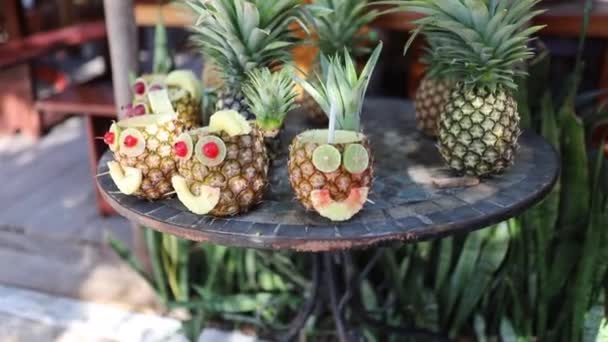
332	179
183	89
223	168
144	161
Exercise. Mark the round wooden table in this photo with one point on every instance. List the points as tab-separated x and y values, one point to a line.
405	205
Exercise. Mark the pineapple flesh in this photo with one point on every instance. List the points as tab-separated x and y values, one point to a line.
229	156
431	97
480	45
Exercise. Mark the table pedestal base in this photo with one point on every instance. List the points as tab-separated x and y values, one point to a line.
328	269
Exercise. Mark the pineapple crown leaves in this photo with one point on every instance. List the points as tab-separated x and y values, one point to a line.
340	91
241	35
270	96
339	24
480	42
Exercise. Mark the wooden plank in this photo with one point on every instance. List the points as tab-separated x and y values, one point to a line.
21	50
94	98
87	272
146	14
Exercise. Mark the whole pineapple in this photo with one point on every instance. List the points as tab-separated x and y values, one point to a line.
478	44
431	98
238	36
223	168
144	161
340	24
331	171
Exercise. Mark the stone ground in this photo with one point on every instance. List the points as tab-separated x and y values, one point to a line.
52	246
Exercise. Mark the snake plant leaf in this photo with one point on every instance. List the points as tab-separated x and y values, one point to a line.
575	173
507	333
462	273
153	243
122	250
444	261
491	257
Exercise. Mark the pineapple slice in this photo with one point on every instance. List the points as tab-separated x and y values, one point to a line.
128	180
186	80
229	121
160	102
201	204
339	211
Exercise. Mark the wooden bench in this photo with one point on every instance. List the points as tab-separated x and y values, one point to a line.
95	102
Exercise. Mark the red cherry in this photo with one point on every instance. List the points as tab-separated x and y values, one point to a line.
138	110
181	149
210	150
130	141
139	88
108	138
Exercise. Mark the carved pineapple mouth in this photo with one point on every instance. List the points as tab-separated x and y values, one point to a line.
342	210
128	179
202	204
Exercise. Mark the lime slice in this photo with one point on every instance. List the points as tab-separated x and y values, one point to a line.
356	158
326	158
210	150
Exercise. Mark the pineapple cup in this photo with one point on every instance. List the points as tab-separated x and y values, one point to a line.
332	179
143	155
184	91
223	168
331	170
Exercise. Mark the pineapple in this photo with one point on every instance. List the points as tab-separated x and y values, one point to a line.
270	96
184	91
223	168
238	36
340	25
431	98
144	161
331	170
479	44
183	87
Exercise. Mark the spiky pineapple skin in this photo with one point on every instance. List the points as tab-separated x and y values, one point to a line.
228	100
157	163
478	131
304	177
431	97
242	177
188	110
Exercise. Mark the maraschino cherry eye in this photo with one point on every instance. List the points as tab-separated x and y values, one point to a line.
139	88
130	141
181	149
210	150
109	138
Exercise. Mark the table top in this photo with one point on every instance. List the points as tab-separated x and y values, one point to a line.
406	206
